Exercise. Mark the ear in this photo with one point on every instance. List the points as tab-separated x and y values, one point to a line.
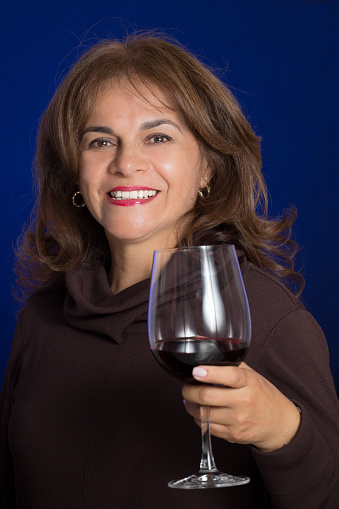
206	175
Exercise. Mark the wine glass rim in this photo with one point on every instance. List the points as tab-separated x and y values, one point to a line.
190	248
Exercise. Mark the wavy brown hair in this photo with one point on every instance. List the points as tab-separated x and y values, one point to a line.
62	237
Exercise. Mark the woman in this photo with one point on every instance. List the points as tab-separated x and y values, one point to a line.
143	148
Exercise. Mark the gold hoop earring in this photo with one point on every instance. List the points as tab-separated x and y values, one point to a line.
204	192
77	196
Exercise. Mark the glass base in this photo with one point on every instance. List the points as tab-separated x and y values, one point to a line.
204	480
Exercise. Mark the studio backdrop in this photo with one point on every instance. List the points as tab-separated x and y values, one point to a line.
280	58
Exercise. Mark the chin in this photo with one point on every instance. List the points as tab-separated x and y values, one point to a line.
128	234
161	240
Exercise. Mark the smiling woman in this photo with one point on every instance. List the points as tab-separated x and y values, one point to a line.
142	148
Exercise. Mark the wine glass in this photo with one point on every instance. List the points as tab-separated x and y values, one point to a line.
198	315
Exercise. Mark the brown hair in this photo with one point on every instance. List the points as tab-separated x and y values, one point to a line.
62	237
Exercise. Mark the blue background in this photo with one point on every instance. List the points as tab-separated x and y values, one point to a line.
279	57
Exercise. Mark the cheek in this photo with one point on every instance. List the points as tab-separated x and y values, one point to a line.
87	178
82	175
185	169
192	177
88	190
91	165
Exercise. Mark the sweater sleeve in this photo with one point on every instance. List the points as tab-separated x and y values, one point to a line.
304	473
7	483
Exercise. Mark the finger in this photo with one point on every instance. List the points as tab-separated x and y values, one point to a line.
220	423
206	395
216	396
217	422
218	415
192	408
230	376
229	433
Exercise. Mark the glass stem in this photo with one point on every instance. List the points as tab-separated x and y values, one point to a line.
207	463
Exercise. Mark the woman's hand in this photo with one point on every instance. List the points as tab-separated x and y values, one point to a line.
247	410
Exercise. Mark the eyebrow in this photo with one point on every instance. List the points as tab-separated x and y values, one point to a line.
98	129
155	123
145	126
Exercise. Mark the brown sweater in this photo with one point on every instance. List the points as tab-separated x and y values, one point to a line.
89	420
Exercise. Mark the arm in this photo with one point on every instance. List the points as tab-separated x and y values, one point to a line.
257	409
7	480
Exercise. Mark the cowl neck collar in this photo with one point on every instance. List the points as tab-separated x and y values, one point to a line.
90	304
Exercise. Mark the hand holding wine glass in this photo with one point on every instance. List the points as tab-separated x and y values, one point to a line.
198	314
246	408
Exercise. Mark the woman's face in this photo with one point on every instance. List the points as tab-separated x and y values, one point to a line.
140	166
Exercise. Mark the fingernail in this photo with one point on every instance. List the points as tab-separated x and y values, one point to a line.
199	372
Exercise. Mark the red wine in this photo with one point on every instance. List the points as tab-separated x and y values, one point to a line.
180	356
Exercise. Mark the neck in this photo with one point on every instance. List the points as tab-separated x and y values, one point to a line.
131	263
128	268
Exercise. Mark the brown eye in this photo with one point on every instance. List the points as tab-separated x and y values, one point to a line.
101	143
159	138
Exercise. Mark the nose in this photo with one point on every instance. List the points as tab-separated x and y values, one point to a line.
129	158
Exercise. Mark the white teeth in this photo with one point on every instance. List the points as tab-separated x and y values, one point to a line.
132	195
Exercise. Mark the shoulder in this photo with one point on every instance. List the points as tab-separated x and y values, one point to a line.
45	302
279	319
270	303
267	296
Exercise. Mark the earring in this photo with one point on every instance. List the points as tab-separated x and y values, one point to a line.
78	200
204	192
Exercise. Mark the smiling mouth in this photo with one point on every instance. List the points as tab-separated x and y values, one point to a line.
141	194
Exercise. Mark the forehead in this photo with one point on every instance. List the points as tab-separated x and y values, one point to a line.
135	95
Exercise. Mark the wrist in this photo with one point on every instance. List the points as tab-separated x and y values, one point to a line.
288	441
288	432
